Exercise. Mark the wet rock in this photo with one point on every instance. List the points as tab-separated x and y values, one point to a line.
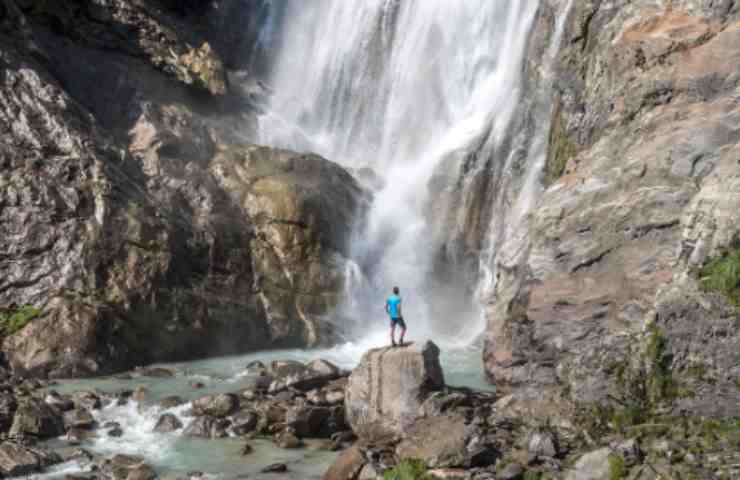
291	374
347	466
75	436
386	390
247	449
126	467
36	419
218	406
18	460
275	468
140	394
171	402
207	427
167	423
256	366
309	421
591	466
197	385
287	439
141	472
79	418
62	403
156	372
87	400
115	432
244	422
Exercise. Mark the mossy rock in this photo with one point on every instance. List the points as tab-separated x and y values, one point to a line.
561	149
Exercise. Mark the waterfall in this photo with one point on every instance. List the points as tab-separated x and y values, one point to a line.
427	94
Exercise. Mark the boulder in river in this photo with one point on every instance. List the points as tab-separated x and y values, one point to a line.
79	418
219	405
244	422
167	423
207	427
386	390
291	374
348	465
18	460
60	402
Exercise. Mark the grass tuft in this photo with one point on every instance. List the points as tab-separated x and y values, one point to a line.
409	469
617	467
722	275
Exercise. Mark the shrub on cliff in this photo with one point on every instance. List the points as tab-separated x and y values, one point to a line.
13	322
723	275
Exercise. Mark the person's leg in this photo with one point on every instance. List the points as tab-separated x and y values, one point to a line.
403	331
393	333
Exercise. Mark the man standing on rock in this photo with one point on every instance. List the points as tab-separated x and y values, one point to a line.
393	309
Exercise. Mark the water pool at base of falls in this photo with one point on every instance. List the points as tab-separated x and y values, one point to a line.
172	453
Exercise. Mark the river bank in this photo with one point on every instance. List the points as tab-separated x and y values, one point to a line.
132	404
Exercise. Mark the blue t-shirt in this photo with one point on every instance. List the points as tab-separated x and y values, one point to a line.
394	301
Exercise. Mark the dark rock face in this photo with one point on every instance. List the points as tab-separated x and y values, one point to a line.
37	420
135	212
648	104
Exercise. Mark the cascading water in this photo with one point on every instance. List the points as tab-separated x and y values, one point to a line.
404	88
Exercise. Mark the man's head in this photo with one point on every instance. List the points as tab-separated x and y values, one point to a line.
396	291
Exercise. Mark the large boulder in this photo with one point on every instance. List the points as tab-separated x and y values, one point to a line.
385	392
18	460
218	406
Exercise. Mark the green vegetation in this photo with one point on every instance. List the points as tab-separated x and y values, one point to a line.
14	322
617	467
722	275
561	149
409	469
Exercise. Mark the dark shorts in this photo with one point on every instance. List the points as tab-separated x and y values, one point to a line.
398	321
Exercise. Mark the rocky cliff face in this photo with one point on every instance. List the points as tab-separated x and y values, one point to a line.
136	216
644	191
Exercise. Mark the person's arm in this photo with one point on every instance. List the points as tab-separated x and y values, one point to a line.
387	308
398	307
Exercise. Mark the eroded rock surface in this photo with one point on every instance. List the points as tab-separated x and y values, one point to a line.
385	391
646	124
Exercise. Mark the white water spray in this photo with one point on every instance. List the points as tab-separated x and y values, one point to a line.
400	87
